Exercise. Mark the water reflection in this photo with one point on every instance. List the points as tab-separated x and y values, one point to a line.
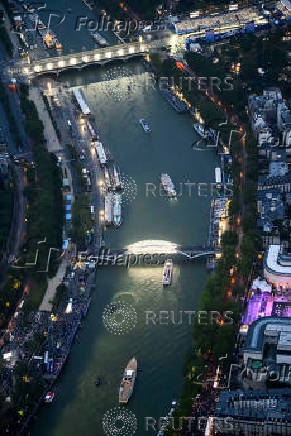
152	246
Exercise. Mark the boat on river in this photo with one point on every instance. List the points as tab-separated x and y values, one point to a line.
128	381
174	100
99	39
168	185
108	210
107	178
145	125
98	381
116	178
167	272
117	210
49	397
205	132
201	130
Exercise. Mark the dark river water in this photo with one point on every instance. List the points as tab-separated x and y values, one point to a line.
119	95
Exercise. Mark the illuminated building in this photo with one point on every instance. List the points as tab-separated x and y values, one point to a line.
264	302
277	267
267	352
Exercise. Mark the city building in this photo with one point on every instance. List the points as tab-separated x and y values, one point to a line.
264	301
267	350
219	221
286	138
263	108
254	413
277	267
281	183
271	209
278	169
265	134
4	170
283	116
219	23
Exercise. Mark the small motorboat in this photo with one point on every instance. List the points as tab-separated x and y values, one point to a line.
49	397
145	125
98	381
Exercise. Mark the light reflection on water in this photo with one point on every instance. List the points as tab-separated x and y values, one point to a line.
152	246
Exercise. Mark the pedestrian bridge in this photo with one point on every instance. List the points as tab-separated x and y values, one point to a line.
149	252
80	60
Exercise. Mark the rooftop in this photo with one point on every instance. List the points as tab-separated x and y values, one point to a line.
271	208
273	404
273	261
256	332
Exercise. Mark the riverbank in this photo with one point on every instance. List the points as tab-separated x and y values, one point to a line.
224	288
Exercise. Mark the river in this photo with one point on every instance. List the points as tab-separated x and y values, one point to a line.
119	95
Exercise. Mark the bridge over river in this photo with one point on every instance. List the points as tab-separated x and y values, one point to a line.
80	60
129	257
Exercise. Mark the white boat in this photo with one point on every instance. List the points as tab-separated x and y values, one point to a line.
145	125
99	39
116	177
117	210
81	101
108	212
100	152
168	185
94	135
107	178
49	397
167	272
200	129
